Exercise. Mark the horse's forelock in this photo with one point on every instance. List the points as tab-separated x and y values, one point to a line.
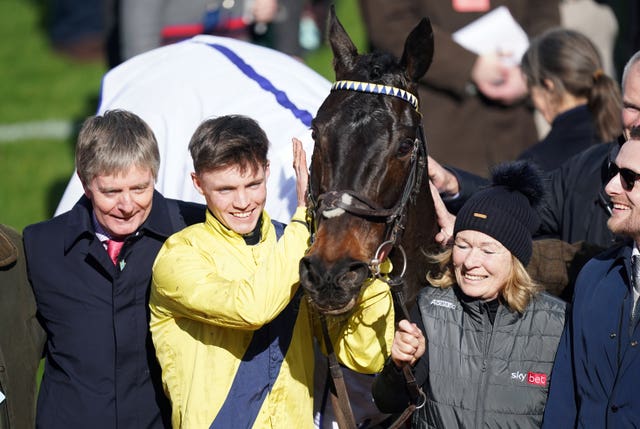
381	68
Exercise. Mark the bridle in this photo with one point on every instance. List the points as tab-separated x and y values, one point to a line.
333	203
350	201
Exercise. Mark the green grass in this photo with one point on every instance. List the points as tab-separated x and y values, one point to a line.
37	172
37	84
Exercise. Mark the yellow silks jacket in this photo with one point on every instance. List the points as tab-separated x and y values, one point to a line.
234	336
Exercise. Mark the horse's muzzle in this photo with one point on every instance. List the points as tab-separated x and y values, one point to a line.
332	289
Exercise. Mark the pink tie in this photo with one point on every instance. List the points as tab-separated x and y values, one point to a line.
113	249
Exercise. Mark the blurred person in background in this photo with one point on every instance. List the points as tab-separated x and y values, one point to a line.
147	24
78	28
474	106
628	40
21	339
570	89
596	20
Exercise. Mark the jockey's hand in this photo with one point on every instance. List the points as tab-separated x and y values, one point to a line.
408	345
302	172
445	220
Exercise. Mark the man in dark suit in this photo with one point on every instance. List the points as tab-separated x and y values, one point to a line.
90	270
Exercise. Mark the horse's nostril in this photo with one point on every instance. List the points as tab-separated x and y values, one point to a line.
348	278
308	275
335	287
354	275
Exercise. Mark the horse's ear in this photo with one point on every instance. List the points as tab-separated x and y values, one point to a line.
344	51
418	50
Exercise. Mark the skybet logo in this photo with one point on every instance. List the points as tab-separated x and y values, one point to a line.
535	378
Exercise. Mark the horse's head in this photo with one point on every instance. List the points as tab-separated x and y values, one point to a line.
368	187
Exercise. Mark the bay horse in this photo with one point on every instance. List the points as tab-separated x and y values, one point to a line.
369	194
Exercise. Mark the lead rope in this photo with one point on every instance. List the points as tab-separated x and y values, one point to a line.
415	392
338	390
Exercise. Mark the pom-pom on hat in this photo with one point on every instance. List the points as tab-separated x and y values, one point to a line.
506	209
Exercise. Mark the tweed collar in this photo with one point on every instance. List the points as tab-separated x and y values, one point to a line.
8	251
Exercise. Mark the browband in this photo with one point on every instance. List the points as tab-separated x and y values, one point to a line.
374	88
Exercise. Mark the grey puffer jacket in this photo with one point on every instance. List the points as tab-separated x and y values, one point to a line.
476	374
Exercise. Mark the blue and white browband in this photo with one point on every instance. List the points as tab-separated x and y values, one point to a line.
374	88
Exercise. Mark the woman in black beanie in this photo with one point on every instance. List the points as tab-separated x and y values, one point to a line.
490	334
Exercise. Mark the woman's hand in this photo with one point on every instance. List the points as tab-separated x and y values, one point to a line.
408	345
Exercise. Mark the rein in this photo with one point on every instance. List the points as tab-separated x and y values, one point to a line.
334	203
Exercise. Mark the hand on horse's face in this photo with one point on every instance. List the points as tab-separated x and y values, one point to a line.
302	172
446	220
443	179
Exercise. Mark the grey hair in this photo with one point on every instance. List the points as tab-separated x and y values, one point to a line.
627	67
114	142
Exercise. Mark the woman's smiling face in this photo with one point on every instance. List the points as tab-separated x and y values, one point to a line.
482	265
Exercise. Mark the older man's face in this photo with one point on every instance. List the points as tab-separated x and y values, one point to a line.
121	202
631	100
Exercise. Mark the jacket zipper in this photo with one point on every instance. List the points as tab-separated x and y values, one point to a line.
484	385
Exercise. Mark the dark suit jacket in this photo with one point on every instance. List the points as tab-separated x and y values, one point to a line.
464	130
100	370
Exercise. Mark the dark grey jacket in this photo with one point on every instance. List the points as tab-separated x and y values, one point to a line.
475	374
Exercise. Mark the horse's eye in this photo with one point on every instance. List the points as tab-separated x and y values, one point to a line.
405	147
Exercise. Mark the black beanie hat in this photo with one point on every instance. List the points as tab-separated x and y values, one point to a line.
506	209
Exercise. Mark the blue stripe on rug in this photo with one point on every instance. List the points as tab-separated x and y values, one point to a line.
281	97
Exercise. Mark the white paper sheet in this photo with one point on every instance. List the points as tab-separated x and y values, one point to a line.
495	32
